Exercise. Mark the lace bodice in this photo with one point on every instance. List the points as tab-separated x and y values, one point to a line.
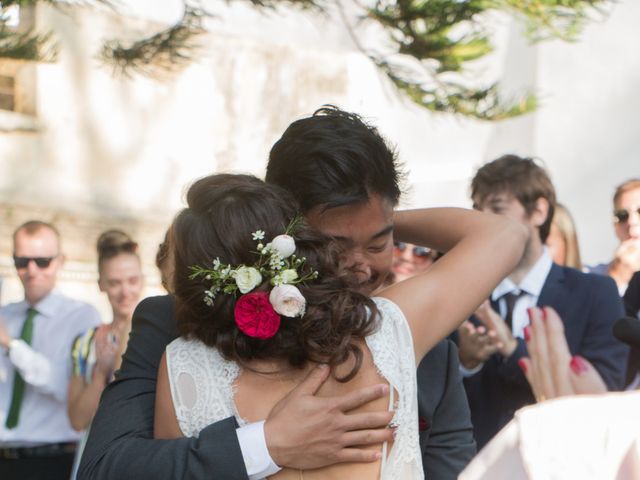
202	387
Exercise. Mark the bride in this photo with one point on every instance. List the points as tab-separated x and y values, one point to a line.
262	298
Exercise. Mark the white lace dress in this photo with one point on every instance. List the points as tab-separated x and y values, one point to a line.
202	387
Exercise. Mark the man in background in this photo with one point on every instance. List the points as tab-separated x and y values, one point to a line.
36	438
626	223
492	343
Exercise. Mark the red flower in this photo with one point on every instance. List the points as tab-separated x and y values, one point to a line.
255	316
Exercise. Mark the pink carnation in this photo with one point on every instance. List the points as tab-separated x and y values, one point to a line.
255	316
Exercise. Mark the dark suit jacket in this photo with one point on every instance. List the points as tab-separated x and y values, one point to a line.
632	307
588	305
121	444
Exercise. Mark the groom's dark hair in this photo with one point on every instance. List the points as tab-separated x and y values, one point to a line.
333	158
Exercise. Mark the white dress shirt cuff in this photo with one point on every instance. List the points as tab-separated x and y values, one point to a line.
34	367
254	451
470	372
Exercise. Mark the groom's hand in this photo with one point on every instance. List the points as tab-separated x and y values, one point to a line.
305	431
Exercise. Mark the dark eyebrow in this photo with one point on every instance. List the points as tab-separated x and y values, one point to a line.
385	231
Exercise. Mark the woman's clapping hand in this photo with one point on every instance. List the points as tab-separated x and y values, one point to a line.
550	368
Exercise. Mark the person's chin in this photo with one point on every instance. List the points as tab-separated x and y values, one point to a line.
403	274
126	309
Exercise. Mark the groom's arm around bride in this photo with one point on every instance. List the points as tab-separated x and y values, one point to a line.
121	441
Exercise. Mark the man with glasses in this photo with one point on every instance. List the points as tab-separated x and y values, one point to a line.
626	223
36	438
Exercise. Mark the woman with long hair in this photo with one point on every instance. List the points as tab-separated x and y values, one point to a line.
563	239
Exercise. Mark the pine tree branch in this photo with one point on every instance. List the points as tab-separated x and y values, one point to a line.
163	53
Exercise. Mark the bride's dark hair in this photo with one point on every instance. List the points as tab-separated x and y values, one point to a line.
223	211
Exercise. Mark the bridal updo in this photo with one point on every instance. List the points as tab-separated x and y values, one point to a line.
222	213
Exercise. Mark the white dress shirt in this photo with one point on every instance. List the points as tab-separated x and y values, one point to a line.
45	367
529	289
255	454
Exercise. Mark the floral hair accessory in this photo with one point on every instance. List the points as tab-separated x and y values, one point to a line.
257	314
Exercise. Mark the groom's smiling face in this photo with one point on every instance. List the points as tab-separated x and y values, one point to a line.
366	231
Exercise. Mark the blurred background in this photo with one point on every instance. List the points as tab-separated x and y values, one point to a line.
90	145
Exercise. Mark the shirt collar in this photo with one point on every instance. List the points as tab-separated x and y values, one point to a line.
47	306
533	281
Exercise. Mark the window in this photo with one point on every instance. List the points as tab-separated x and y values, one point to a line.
7	92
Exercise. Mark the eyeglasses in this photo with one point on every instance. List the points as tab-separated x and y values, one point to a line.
418	252
622	215
23	262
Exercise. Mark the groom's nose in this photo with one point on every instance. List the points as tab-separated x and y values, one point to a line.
362	268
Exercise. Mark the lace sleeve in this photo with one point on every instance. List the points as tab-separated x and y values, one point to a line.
392	350
201	383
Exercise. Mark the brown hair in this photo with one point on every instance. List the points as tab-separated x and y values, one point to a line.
164	261
112	243
34	226
625	187
521	177
223	211
564	223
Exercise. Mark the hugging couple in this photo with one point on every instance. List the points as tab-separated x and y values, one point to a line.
278	354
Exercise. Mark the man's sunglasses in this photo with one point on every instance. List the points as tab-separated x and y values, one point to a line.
23	262
419	252
622	215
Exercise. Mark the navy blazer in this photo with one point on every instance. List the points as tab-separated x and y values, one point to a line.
632	306
588	304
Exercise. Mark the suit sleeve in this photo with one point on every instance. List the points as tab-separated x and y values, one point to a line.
632	296
450	446
599	346
509	369
121	444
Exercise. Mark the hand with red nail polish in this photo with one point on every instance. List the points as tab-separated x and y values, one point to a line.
551	370
584	378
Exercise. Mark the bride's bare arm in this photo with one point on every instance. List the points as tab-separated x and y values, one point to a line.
165	423
482	249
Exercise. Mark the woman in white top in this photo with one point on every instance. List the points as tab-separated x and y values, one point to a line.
257	311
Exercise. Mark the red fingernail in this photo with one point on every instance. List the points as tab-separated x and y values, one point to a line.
578	365
527	334
523	365
544	313
530	313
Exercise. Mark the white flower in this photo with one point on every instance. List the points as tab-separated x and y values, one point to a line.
216	263
225	272
247	278
258	235
287	300
208	301
288	276
284	245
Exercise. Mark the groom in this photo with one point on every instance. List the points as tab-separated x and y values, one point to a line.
346	180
